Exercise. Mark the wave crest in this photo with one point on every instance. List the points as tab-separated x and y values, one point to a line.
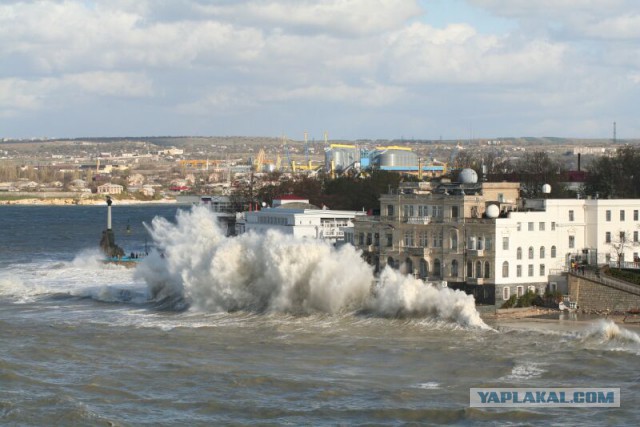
197	265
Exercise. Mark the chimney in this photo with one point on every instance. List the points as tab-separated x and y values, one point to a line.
578	162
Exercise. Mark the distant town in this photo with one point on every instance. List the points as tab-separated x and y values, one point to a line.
164	167
515	222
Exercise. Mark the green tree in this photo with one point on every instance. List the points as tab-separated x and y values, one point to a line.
615	177
537	168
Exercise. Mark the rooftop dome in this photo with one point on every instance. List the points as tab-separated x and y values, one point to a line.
493	211
468	176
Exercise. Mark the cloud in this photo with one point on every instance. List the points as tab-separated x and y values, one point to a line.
366	65
457	54
597	19
18	95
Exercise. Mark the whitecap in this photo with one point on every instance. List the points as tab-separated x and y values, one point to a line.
272	273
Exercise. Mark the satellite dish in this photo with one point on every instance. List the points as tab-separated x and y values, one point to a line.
546	189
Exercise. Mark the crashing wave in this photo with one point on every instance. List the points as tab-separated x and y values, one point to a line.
196	265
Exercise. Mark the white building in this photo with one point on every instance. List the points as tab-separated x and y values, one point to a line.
295	216
481	238
110	189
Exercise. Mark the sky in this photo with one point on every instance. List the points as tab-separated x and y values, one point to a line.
355	69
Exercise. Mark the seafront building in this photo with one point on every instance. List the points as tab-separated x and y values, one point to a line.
482	238
297	217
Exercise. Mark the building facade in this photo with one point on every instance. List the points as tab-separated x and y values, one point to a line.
296	217
481	238
110	189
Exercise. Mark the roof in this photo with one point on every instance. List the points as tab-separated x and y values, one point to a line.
289	197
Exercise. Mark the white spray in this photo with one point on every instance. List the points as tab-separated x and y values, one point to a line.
271	272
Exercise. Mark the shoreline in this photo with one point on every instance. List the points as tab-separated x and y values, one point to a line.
556	319
52	201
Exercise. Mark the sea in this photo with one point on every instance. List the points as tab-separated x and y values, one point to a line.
265	330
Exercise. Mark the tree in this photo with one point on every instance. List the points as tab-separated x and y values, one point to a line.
620	245
535	169
615	177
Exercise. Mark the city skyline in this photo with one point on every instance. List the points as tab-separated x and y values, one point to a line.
385	69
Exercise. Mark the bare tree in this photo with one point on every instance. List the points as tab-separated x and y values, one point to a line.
620	245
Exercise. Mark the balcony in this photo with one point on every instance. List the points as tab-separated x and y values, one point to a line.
417	251
475	252
417	220
475	280
331	232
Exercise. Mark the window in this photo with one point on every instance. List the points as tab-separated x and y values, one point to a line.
542	252
542	269
532	289
622	237
621	215
488	243
390	210
553	251
369	239
607	237
520	291
408	239
530	270
455	212
572	242
361	239
530	226
541	226
571	216
505	269
454	268
506	293
518	271
635	214
423	239
424	268
453	240
519	253
437	268
635	236
519	226
530	252
608	215
478	269
553	225
469	269
487	270
553	286
505	243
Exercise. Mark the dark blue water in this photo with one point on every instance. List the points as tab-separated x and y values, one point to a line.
37	233
81	345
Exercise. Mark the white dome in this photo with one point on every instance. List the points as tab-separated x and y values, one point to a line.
546	189
493	211
468	176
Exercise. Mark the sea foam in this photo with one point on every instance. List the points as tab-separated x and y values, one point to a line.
196	265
